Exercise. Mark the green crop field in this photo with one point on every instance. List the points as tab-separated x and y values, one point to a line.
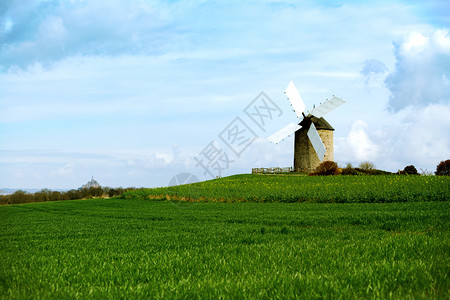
291	188
135	247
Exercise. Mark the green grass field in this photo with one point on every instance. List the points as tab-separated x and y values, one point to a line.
291	188
139	248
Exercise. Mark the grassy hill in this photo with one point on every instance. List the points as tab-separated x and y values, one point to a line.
292	188
136	247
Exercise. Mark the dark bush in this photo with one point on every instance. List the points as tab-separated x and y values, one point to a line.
55	196
21	197
327	168
349	170
443	168
410	170
4	199
372	172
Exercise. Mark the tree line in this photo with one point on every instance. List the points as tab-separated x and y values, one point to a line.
43	195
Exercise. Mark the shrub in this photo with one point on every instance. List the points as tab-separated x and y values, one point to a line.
327	168
443	168
20	197
425	172
410	170
349	170
366	165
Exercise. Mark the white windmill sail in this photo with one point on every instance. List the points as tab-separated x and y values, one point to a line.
326	107
295	99
316	141
283	133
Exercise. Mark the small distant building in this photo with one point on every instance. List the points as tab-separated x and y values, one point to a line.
91	184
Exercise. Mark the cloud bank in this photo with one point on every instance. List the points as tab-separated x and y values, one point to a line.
357	146
373	70
46	31
422	71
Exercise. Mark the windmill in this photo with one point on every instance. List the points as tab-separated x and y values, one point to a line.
313	140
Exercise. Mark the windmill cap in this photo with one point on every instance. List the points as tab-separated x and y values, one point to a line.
320	123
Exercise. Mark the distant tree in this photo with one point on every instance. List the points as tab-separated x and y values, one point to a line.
73	195
106	190
84	194
55	196
38	197
48	195
42	195
5	199
443	168
115	192
92	192
366	166
21	197
410	170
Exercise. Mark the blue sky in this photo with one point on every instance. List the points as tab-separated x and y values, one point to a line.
132	92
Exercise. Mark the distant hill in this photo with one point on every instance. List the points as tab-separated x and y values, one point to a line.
295	188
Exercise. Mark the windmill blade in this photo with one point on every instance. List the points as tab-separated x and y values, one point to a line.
326	107
295	99
316	141
283	133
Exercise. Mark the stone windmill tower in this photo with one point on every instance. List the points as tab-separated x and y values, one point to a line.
313	141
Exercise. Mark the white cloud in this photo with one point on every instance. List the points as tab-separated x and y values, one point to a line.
45	31
421	72
413	44
417	136
373	71
422	140
48	31
165	158
65	171
357	146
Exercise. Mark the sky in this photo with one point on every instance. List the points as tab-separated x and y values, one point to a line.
136	92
